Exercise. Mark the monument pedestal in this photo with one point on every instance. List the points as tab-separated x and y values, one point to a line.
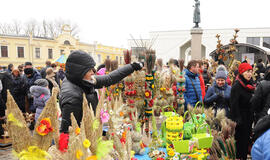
196	43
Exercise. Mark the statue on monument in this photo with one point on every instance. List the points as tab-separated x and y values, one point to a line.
197	14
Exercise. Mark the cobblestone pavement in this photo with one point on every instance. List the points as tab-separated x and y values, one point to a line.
6	154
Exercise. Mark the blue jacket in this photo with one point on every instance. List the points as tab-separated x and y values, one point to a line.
260	149
41	96
190	94
218	97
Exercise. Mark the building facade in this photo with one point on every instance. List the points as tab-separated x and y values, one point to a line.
177	43
103	52
20	49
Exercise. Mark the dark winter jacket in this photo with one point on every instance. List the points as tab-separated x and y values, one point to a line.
73	86
190	93
30	82
240	100
261	99
218	97
260	69
260	149
206	76
241	113
18	91
41	96
61	74
43	71
6	79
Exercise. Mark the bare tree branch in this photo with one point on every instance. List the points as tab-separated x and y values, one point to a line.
17	26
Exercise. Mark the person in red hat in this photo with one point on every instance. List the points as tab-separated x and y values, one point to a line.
241	108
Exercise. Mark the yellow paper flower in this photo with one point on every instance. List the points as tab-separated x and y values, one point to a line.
79	154
33	153
132	153
95	124
86	143
77	131
171	153
15	121
92	158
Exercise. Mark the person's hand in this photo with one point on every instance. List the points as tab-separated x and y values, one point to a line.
220	94
137	66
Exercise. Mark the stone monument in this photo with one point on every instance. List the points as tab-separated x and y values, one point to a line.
196	33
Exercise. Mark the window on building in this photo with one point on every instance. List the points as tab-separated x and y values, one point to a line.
266	42
62	51
37	51
66	42
50	53
99	58
108	57
4	51
121	60
254	40
116	58
20	51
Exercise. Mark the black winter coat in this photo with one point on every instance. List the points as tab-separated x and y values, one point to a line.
5	77
18	91
206	76
73	87
261	99
242	114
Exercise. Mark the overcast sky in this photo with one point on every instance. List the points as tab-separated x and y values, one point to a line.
111	22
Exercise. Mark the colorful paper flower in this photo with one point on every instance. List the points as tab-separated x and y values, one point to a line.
151	103
147	94
92	158
104	116
44	127
171	153
33	152
121	113
79	154
156	152
77	131
86	143
63	142
14	121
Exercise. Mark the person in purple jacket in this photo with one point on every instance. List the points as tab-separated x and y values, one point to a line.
41	94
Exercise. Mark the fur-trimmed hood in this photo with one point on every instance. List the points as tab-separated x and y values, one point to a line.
37	91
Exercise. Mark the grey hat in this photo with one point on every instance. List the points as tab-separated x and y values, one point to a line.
41	82
221	74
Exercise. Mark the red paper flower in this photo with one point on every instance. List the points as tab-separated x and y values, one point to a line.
147	94
123	140
160	158
44	127
151	103
63	142
174	88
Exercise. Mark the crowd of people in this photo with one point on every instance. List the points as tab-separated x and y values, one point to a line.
245	100
29	87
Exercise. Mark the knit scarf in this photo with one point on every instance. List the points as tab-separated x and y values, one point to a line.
249	86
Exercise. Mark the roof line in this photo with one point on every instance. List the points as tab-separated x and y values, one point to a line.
211	29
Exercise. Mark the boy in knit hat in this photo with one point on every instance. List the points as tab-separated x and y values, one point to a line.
41	94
